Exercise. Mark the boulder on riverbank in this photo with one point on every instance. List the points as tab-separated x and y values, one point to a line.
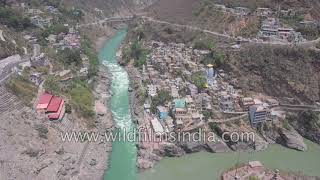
171	150
292	139
217	147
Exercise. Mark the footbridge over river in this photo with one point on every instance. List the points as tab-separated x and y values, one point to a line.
107	20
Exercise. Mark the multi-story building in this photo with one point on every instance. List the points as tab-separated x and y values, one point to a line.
259	114
152	90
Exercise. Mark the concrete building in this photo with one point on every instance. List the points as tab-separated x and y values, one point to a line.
192	90
156	126
246	102
242	11
36	78
152	90
174	91
259	114
211	75
162	113
226	102
264	12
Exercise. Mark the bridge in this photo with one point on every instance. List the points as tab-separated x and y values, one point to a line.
106	20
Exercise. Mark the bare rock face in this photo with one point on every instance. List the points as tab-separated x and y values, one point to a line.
147	159
217	147
144	164
260	144
191	147
171	150
292	139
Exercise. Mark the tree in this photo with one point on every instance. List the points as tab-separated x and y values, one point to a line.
213	57
204	44
161	98
199	80
51	84
71	57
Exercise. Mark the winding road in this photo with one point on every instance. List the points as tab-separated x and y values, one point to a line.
150	19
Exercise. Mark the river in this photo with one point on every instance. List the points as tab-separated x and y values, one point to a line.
207	166
123	156
202	165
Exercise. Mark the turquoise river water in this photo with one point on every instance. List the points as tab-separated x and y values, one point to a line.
200	166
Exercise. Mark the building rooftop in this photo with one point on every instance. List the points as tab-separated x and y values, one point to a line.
162	109
179	103
45	98
54	104
157	127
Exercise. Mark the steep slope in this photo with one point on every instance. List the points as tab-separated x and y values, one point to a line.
202	13
278	71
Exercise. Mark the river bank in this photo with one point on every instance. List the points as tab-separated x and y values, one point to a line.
205	165
265	142
123	156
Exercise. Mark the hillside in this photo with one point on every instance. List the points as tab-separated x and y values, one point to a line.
279	71
204	14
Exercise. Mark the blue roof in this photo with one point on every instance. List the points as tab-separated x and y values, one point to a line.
179	103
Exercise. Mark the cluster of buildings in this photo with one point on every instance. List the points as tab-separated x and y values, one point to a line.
51	106
261	11
169	68
71	39
271	29
40	18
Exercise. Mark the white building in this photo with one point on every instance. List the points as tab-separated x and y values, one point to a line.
152	90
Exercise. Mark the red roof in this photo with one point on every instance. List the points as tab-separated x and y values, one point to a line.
58	114
45	98
54	104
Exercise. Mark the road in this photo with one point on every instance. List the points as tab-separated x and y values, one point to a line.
150	19
7	64
111	19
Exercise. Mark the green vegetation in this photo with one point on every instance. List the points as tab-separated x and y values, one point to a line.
137	53
203	44
310	32
70	57
73	14
54	29
159	100
207	114
52	84
82	99
93	58
199	80
309	119
291	20
251	29
253	178
14	19
214	58
286	125
22	88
